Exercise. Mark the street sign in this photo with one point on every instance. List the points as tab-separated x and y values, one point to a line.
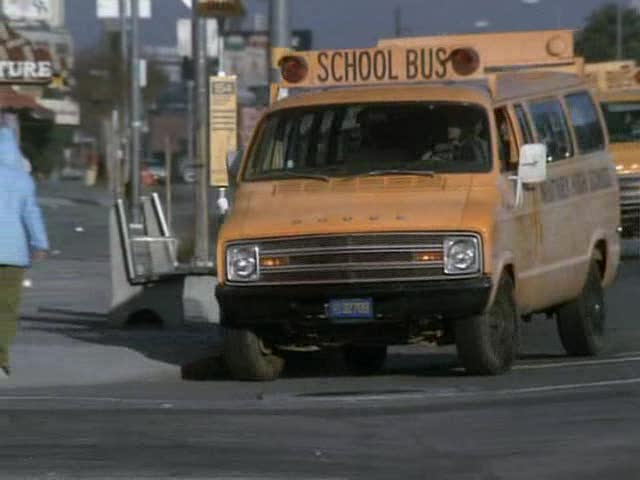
220	8
111	8
223	124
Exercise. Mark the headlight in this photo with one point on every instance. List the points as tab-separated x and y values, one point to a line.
461	255
242	264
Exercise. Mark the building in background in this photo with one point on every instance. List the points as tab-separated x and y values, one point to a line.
42	24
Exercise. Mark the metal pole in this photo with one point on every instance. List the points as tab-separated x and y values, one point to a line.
398	20
190	124
136	123
619	33
124	107
280	31
202	248
169	185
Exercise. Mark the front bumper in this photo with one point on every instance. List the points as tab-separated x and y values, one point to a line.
303	308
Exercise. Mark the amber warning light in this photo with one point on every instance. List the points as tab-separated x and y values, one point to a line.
379	65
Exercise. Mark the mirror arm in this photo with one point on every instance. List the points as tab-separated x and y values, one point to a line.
519	191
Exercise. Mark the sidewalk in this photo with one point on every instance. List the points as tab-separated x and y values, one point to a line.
76	192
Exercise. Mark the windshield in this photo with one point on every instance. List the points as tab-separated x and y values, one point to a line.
623	121
360	139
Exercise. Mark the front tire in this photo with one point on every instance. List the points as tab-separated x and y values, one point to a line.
487	343
247	358
581	323
365	359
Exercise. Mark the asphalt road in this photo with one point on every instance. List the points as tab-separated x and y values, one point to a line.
550	418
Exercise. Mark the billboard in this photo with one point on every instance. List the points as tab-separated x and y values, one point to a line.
49	11
111	8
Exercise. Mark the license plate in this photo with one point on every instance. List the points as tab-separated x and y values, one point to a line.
351	310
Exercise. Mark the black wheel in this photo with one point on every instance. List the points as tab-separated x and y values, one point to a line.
365	360
581	323
487	344
248	359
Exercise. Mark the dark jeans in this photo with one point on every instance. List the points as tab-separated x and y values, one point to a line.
10	293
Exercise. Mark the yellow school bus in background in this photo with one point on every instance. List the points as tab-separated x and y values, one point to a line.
436	189
618	87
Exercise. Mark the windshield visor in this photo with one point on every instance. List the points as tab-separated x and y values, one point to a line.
350	140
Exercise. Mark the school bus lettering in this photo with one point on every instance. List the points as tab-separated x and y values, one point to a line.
380	65
427	64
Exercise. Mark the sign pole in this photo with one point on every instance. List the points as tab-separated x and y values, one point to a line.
136	121
125	157
201	110
280	33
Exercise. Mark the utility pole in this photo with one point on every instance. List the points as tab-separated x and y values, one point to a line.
619	31
201	112
136	107
124	106
397	15
280	31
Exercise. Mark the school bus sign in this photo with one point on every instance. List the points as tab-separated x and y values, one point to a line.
379	65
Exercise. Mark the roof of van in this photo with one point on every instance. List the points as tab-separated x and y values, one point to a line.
507	86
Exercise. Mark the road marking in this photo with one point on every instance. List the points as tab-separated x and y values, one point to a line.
159	403
477	393
577	364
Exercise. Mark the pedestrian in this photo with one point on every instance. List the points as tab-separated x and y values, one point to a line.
22	237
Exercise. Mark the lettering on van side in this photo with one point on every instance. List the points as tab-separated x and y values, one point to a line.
382	65
562	188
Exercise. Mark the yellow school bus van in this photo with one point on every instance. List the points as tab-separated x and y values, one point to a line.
424	190
618	87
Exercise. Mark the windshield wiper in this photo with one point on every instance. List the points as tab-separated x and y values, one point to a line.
309	176
378	173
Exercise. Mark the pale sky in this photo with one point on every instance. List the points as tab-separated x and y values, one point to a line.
360	23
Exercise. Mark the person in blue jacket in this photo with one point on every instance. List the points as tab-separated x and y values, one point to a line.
22	237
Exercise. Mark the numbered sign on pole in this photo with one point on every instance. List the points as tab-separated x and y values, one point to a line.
223	125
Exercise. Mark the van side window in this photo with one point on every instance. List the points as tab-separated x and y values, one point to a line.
551	127
506	139
523	121
586	122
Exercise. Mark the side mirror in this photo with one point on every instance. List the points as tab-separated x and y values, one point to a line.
532	167
233	163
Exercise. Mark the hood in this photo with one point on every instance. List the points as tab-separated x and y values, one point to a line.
10	154
626	157
309	208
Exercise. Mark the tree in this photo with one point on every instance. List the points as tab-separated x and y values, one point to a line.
597	40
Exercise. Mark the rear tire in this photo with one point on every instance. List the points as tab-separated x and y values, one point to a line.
581	323
248	359
365	360
487	344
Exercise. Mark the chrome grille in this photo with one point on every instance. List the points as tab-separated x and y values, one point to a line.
350	258
630	203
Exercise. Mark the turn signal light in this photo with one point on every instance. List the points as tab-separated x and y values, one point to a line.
429	257
465	61
270	262
294	69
